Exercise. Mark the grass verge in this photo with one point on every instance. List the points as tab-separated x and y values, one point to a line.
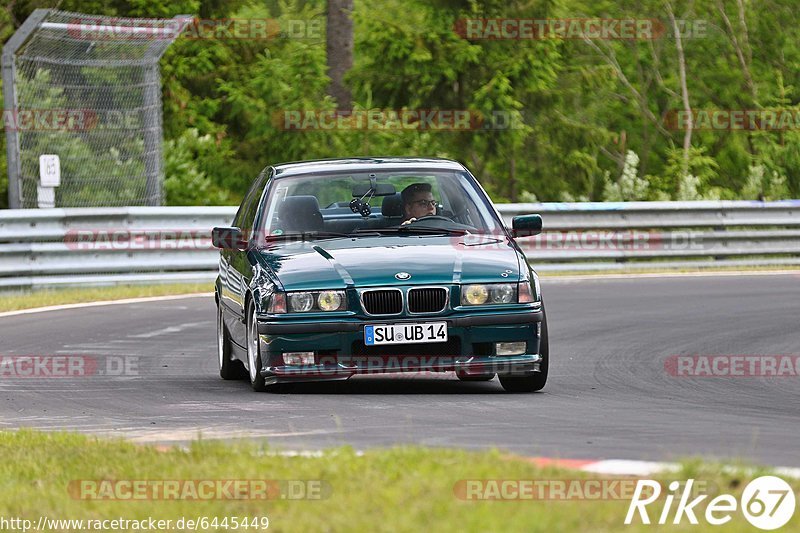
399	489
13	301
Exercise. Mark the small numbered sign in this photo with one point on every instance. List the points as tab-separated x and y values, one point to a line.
50	170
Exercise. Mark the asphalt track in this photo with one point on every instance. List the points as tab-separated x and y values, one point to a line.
609	395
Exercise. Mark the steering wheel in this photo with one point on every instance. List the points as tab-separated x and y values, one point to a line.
432	217
450	223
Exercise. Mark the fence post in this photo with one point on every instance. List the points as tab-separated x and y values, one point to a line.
152	136
10	104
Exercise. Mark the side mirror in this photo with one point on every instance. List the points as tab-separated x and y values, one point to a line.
526	225
228	239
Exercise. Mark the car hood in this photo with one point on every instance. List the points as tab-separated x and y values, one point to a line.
374	261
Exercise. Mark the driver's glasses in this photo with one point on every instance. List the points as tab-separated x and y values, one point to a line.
426	203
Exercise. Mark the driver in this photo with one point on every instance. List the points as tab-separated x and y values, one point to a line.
418	202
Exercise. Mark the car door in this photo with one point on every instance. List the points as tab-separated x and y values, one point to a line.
235	268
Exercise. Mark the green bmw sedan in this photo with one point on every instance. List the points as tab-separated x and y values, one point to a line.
336	268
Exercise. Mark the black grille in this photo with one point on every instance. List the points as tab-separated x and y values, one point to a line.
426	300
385	302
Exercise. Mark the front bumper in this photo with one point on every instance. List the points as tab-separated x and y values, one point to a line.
341	354
514	365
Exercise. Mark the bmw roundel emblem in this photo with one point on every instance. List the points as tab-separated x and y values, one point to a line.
402	275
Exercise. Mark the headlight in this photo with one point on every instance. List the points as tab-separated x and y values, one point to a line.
330	300
300	302
474	295
316	301
503	294
492	293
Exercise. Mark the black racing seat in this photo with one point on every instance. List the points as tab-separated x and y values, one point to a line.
392	206
300	214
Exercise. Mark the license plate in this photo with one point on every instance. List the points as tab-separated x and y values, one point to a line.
405	333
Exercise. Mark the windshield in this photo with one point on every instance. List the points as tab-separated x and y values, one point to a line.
417	202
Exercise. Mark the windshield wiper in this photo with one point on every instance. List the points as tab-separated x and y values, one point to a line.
360	232
366	232
427	230
306	236
402	230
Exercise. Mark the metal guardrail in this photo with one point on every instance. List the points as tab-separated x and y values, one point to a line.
106	246
98	246
634	236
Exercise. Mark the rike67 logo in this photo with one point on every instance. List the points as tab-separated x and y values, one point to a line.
767	502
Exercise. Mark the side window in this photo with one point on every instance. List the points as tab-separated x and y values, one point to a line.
247	211
237	220
240	214
252	208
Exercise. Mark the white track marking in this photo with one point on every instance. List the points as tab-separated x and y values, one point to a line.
170	329
107	302
183	435
619	467
634	276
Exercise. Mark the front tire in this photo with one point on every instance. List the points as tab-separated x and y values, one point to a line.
229	368
538	380
254	351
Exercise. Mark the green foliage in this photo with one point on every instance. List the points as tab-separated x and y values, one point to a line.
764	184
188	161
695	184
581	111
629	187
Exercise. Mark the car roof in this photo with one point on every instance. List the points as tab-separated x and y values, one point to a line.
364	164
